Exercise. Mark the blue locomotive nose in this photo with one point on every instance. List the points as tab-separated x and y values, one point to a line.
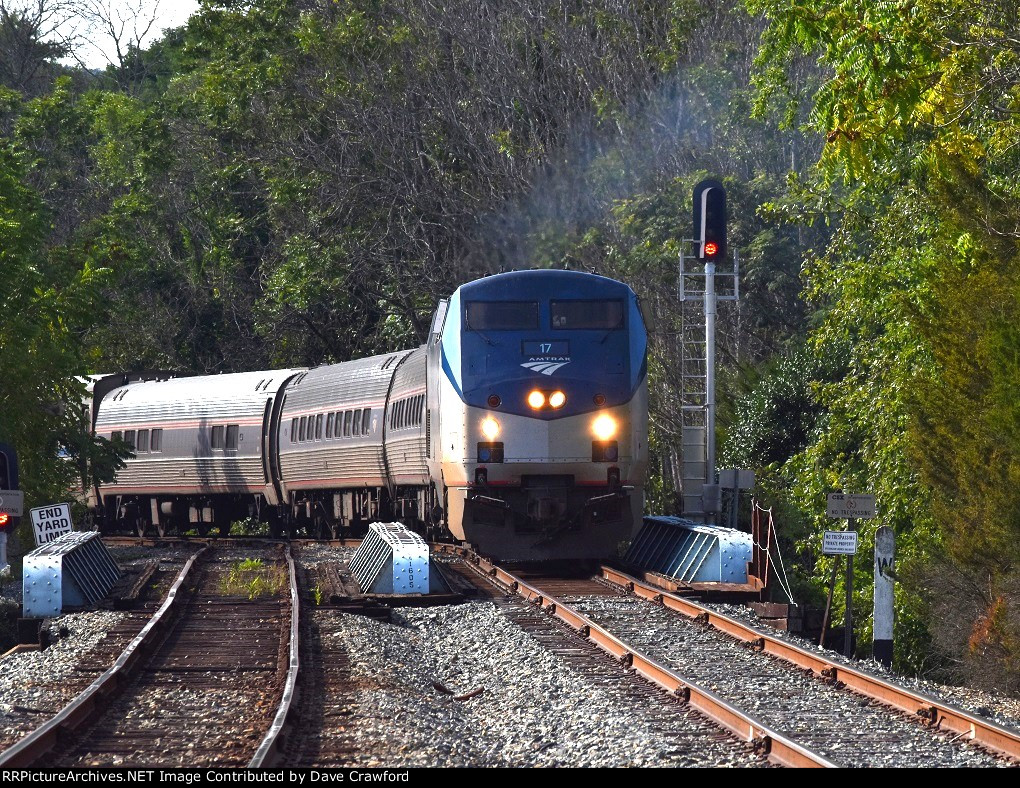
544	344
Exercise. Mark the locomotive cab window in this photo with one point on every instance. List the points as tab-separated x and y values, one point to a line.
587	314
232	433
501	315
217	437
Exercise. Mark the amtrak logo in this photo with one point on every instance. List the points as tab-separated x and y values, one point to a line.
546	366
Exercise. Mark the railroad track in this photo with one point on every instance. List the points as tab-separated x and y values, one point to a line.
939	721
238	541
711	714
797	718
207	682
326	688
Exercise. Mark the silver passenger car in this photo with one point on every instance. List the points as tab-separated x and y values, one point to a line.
201	443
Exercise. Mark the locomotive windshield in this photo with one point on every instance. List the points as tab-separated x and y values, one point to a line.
587	314
501	315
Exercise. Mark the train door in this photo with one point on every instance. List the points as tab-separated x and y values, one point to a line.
433	374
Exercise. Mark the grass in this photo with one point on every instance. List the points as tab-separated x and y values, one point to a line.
253	579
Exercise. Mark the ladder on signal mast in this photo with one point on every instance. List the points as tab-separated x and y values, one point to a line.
698	293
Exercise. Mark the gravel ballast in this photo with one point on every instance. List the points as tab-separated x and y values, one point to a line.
849	729
999	708
37	684
533	709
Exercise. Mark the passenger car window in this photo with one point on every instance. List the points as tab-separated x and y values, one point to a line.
232	433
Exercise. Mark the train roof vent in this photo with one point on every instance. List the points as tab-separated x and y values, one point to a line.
389	362
258	386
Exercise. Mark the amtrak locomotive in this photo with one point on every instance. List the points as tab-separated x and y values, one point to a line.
520	427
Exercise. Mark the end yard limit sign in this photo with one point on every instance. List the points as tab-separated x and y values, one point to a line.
49	522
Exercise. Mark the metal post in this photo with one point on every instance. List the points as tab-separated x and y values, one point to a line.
885	554
710	309
828	600
848	616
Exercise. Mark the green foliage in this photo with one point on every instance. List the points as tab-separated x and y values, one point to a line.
250	577
46	304
284	184
916	282
249	527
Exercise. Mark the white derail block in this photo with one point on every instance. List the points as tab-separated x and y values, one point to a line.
411	569
392	559
41	584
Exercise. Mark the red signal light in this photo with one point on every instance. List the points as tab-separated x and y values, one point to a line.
4	519
711	248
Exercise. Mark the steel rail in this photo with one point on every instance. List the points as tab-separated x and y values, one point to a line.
274	739
932	712
30	748
778	748
152	541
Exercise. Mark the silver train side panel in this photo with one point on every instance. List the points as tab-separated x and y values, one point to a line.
406	423
340	460
185	411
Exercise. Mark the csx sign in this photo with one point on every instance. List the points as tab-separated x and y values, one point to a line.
50	522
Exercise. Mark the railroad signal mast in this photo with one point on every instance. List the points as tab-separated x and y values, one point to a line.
699	298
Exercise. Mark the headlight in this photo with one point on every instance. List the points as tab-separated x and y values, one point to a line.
490	428
536	399
604	427
557	398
